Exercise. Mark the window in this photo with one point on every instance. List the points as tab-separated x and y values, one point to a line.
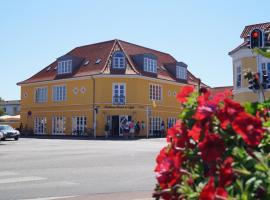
238	77
58	125
154	124
181	72
119	93
40	125
266	68
64	67
78	125
268	72
41	95
119	60
15	110
150	65
155	92
171	121
59	93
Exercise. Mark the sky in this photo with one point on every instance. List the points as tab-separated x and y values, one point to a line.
200	33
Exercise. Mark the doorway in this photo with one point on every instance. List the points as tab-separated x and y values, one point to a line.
118	123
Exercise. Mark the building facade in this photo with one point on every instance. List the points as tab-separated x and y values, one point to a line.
109	82
10	107
244	59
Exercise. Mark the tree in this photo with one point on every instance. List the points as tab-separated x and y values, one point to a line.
2	112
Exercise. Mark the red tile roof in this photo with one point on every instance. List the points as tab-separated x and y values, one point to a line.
102	51
216	90
247	29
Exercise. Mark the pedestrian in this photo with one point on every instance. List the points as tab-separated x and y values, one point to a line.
126	130
131	129
137	129
162	128
107	129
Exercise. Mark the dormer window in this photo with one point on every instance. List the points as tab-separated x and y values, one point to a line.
119	60
150	65
64	67
181	72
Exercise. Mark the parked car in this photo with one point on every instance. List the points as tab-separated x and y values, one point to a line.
1	136
9	132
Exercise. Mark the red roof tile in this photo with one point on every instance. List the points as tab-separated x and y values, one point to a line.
102	51
247	29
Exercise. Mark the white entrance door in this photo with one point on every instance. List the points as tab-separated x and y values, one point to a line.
123	119
40	125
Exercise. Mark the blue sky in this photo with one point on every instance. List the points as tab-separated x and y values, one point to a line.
200	33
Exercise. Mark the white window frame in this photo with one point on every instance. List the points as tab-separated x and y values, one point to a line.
59	93
113	93
119	62
79	124
155	92
58	125
64	67
171	121
41	94
181	72
40	125
154	124
150	65
238	74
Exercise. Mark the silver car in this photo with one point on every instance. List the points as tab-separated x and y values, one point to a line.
9	132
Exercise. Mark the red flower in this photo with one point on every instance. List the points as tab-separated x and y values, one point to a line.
177	135
212	147
184	93
249	127
168	168
221	194
203	112
210	192
195	132
226	175
229	112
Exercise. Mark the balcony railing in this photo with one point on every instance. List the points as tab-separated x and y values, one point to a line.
119	100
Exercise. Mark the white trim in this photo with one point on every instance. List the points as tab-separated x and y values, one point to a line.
64	67
65	97
124	84
108	76
35	93
63	123
161	92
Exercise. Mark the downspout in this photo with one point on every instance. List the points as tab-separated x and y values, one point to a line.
94	110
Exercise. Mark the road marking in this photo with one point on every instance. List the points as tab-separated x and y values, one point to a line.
51	198
8	173
21	179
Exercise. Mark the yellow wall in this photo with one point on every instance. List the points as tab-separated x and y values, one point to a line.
137	94
248	63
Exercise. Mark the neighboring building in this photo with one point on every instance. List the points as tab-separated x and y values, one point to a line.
10	107
113	81
244	59
216	90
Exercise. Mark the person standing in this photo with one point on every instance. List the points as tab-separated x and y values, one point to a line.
131	129
107	129
137	129
162	128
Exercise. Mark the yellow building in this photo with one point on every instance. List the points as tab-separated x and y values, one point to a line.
112	81
245	59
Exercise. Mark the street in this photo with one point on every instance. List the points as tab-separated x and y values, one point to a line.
83	169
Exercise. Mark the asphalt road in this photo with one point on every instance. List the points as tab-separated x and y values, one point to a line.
84	169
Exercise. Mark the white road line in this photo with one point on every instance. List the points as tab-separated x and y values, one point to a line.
8	173
21	179
51	198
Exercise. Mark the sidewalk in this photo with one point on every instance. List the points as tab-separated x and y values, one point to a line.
141	195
